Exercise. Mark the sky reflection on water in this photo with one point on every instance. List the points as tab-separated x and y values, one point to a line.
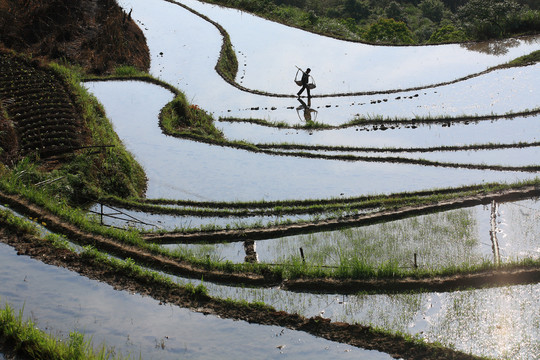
269	57
61	301
184	50
498	131
181	169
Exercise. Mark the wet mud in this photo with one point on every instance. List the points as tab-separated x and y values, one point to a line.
353	334
496	277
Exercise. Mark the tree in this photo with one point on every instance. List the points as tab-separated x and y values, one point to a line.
487	18
453	5
447	34
432	9
394	11
389	31
356	9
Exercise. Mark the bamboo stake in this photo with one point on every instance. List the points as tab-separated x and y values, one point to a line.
493	234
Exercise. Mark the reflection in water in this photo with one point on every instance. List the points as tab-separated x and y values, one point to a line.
251	253
502	323
308	113
457	237
495	47
143	327
499	322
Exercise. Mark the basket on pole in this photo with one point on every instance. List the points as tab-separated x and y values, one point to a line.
298	79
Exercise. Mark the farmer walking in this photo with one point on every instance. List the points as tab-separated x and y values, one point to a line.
305	81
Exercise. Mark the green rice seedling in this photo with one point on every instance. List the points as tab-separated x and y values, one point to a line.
7	217
295	268
126	71
28	341
196	291
358	269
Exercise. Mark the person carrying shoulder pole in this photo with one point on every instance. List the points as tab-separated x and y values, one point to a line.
305	82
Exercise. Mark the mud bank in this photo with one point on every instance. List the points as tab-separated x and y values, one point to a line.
176	267
356	335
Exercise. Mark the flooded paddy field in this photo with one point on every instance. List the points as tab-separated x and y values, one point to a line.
180	63
411	134
508	158
125	218
358	67
134	325
453	238
497	93
499	322
446	104
184	169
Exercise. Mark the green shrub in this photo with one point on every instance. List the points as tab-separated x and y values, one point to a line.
389	31
487	18
178	118
432	9
447	34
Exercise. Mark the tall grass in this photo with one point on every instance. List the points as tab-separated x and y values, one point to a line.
28	341
179	118
529	59
104	166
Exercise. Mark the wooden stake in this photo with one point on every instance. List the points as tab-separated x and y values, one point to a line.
493	234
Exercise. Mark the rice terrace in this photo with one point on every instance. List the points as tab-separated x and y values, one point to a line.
175	183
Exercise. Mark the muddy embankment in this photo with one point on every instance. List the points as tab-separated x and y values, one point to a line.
495	277
223	236
353	334
96	34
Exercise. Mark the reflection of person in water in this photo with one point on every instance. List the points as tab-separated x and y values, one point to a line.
305	81
308	111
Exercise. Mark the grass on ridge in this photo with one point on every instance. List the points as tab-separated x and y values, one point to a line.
28	341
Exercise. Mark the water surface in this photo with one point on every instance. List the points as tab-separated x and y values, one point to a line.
445	239
420	135
267	63
61	301
182	169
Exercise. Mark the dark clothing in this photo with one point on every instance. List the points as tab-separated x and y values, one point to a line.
305	81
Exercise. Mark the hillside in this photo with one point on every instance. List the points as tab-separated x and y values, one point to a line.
96	34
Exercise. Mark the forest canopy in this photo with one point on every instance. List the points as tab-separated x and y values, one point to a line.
402	21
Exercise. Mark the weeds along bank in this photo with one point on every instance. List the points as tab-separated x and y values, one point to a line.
32	343
127	275
57	135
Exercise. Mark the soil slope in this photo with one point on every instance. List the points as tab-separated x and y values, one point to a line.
96	34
